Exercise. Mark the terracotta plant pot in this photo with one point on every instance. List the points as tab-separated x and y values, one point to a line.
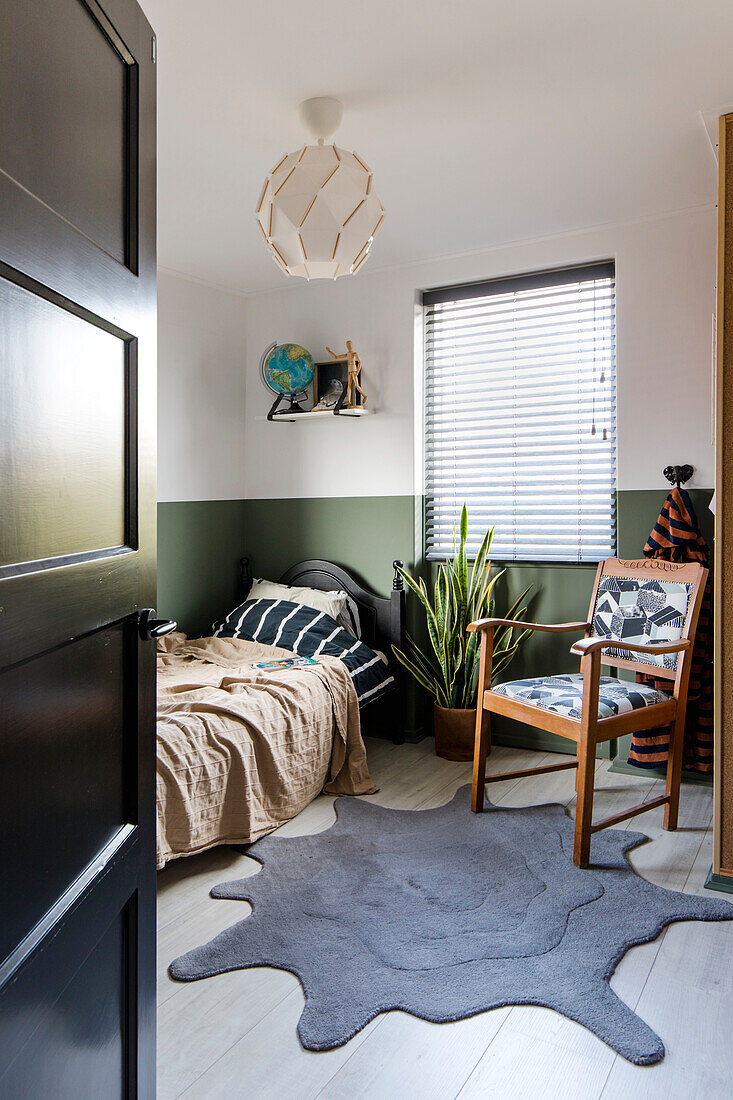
454	732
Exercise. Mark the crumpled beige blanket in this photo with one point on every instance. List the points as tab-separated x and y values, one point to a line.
242	750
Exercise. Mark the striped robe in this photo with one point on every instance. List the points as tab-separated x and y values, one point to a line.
676	537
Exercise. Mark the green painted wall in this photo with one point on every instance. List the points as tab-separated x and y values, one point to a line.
199	546
637	510
364	534
200	543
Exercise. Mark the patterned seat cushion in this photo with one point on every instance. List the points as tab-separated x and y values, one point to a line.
564	694
644	612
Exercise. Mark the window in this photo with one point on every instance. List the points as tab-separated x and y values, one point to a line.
520	415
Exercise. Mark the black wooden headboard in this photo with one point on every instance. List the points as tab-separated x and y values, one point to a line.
382	618
382	624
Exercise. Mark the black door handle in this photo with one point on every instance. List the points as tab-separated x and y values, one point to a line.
150	627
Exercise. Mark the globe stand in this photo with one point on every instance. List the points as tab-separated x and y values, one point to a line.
293	407
340	403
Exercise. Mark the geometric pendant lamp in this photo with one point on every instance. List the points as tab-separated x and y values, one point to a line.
318	212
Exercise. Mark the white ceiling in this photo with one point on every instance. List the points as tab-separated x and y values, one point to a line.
484	122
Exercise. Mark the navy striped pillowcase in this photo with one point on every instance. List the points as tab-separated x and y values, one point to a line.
309	633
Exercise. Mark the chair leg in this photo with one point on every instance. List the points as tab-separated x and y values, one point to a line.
674	771
481	746
584	806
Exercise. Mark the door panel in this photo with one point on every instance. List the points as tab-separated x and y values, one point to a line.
64	422
48	1031
77	760
77	549
85	1034
80	108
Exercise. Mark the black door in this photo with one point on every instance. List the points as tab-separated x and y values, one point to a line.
77	549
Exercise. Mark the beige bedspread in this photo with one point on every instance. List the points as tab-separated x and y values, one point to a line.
241	750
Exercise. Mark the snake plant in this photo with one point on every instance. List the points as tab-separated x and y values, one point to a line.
448	666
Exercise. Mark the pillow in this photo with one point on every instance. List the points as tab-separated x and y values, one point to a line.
310	633
349	617
330	602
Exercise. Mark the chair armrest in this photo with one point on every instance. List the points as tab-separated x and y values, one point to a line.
584	646
555	628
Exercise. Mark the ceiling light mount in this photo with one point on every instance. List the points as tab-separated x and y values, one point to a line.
321	117
318	211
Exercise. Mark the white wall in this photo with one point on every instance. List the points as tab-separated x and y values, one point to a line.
665	269
201	391
369	456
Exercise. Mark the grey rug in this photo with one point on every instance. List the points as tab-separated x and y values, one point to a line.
443	913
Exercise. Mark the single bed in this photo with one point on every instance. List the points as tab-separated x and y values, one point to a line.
240	749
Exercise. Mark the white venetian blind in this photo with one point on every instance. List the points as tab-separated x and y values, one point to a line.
520	417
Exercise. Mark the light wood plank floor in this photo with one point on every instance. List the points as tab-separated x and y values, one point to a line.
234	1035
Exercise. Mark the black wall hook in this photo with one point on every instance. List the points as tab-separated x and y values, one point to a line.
678	475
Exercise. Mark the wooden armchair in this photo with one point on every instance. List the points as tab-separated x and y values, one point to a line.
642	616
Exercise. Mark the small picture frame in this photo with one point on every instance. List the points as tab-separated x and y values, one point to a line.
325	372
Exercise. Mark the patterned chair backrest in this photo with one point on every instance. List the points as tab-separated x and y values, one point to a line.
645	601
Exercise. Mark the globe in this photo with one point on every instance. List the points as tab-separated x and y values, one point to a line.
288	369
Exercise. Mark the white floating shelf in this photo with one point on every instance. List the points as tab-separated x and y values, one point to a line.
294	418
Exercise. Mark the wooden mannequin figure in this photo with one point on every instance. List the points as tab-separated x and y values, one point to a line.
354	369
